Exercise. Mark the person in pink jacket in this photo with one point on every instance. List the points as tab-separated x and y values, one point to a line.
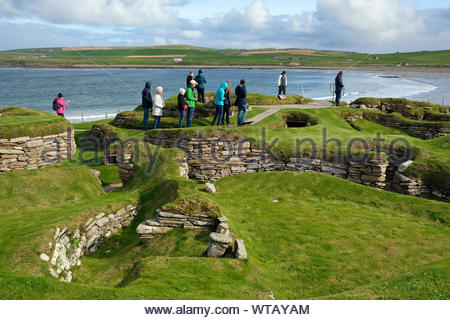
61	104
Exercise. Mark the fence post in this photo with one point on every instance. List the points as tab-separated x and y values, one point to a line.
82	119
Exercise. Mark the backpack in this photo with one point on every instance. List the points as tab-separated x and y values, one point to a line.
55	105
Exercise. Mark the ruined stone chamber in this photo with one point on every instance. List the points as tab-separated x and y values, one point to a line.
36	152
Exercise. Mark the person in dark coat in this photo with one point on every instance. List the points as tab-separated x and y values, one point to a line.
201	80
339	86
182	106
147	103
189	78
227	104
241	101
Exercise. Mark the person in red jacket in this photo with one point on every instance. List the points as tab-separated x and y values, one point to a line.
61	104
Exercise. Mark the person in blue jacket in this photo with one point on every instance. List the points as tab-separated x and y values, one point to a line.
201	80
147	103
241	101
218	102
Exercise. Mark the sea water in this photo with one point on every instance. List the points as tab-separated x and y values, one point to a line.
100	93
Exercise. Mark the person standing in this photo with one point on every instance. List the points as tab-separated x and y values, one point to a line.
218	102
147	103
227	104
189	78
182	106
60	105
339	87
158	107
190	100
201	80
282	83
241	101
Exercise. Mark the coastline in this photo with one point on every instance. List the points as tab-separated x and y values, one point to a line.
445	70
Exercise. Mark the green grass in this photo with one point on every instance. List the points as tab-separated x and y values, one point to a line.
22	122
213	57
324	238
26	189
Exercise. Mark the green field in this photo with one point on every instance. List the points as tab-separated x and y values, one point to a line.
308	235
118	56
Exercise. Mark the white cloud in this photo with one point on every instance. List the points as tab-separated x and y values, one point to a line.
354	25
115	12
256	15
192	34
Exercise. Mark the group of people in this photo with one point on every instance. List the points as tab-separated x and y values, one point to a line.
338	86
187	100
223	103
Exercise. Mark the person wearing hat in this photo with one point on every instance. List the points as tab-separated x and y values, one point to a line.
158	106
60	105
201	80
190	100
282	84
339	86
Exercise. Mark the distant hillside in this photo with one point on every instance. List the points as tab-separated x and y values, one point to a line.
185	55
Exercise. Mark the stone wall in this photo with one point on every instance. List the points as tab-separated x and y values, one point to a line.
404	184
211	159
69	247
221	240
167	221
421	129
36	152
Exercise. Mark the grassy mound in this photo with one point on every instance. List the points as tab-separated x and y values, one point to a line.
39	189
22	122
418	110
324	238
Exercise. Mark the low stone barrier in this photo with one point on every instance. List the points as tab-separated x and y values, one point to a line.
422	129
36	152
211	159
167	221
220	241
69	247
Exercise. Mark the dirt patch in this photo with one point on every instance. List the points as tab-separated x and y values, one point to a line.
85	48
160	56
294	51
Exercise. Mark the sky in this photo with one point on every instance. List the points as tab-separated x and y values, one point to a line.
374	26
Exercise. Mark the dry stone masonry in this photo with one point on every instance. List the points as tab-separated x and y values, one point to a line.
422	129
36	152
211	159
220	241
69	247
167	221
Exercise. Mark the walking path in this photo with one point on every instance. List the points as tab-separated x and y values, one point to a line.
274	109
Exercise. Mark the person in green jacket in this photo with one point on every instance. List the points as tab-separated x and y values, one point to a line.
190	100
